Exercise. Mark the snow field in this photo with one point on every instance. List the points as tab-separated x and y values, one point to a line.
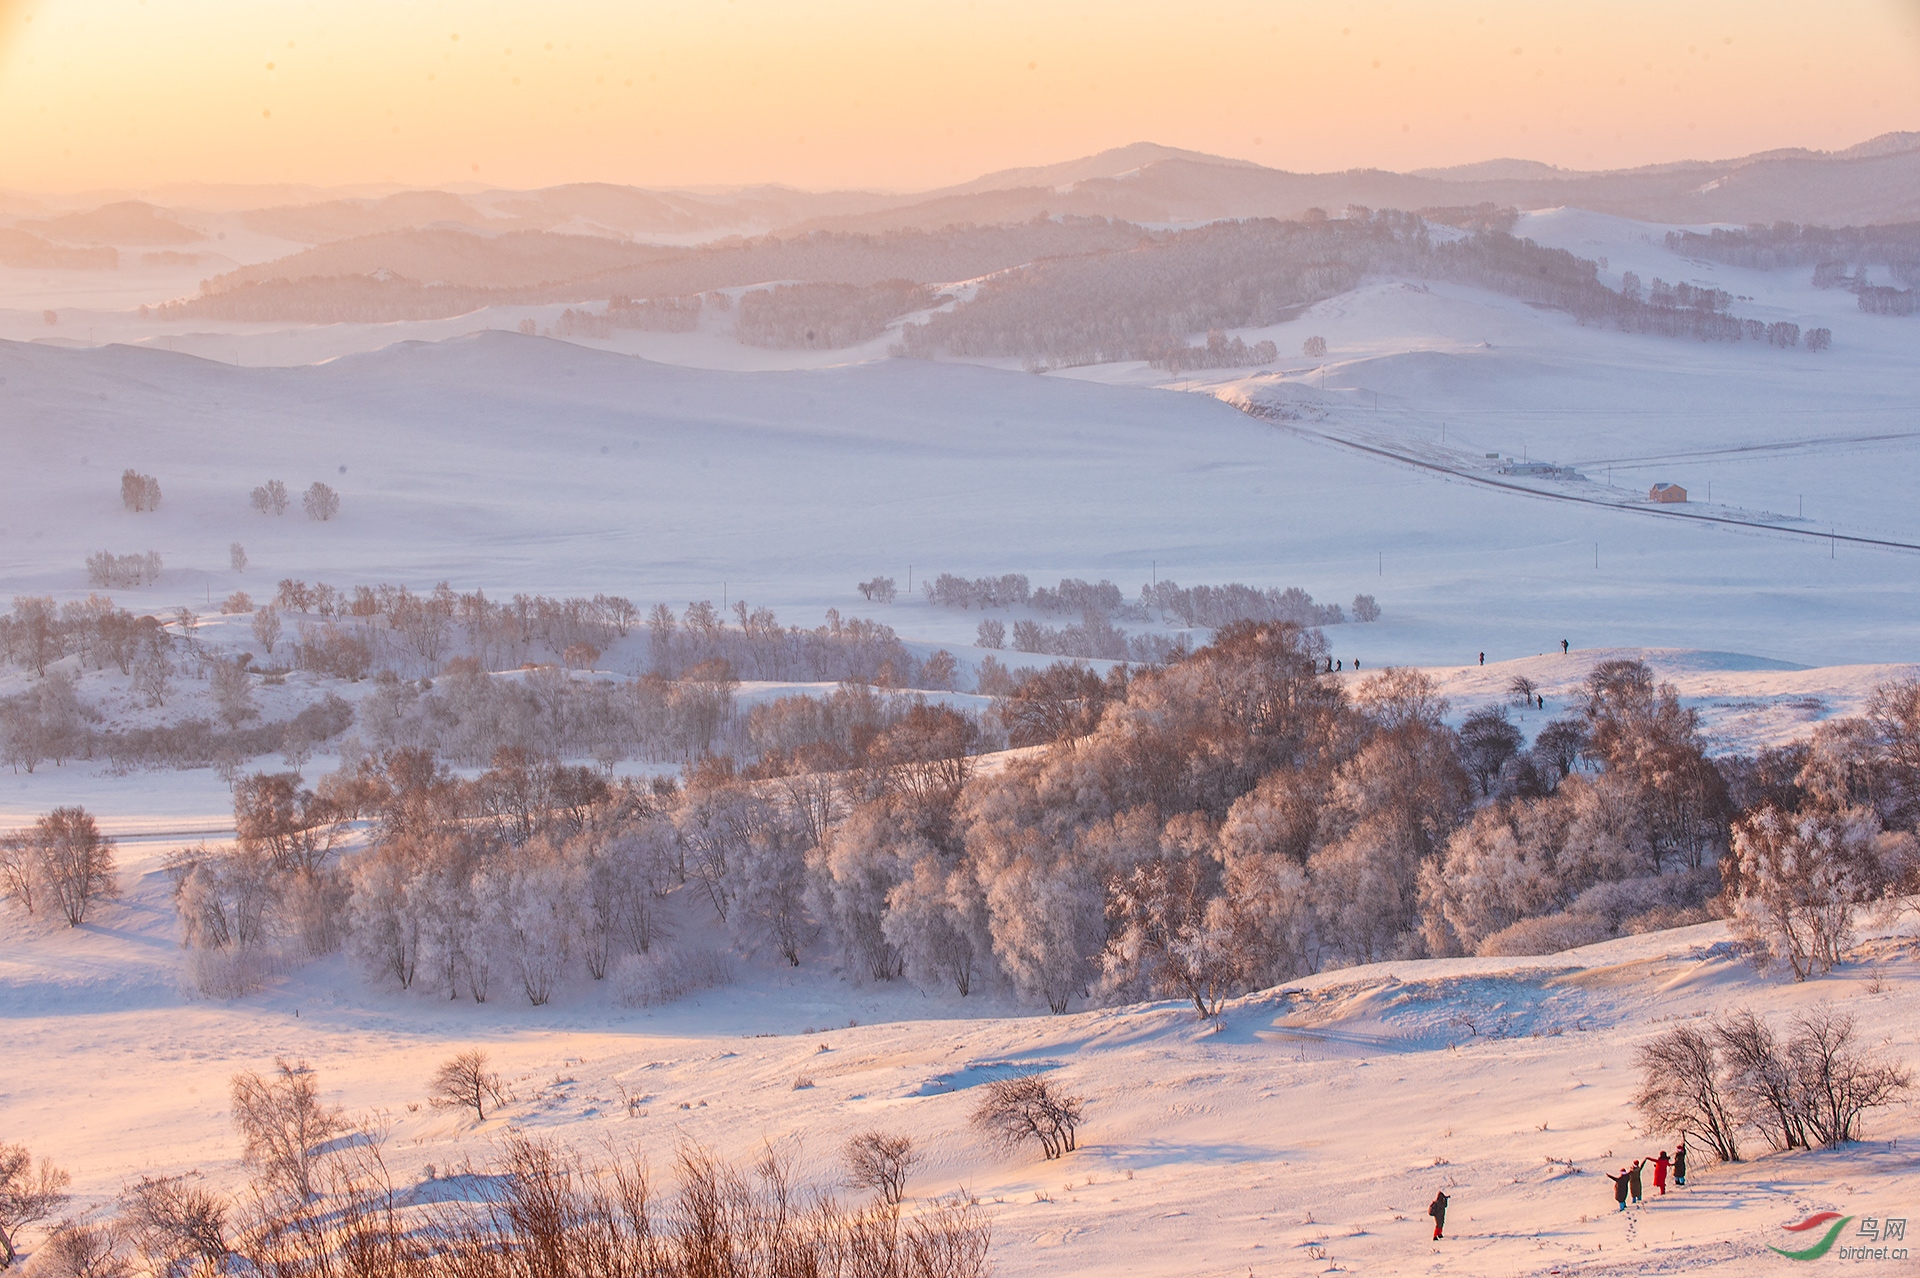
1307	1130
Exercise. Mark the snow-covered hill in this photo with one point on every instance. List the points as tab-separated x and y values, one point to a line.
1304	1133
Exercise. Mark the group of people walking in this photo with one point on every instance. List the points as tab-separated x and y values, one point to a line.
1626	1186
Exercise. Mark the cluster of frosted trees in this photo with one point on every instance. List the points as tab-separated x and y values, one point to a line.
109	571
467	714
51	722
1225	822
1100	603
655	315
349	632
1175	355
826	316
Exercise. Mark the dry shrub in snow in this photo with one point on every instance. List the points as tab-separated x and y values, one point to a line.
880	1161
28	1195
80	1249
1681	1090
465	1082
667	973
284	1125
176	1225
561	1215
1734	1075
1013	1111
1546	934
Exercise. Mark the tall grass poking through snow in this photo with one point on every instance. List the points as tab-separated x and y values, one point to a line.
666	973
560	1216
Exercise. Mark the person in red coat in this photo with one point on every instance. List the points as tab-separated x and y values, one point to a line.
1438	1210
1660	1165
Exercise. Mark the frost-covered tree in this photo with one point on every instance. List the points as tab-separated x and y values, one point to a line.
1172	933
266	627
73	862
237	557
937	920
320	502
233	691
1795	880
859	865
139	492
270	498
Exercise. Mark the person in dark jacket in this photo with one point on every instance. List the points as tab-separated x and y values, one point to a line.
1620	1188
1680	1162
1438	1210
1633	1180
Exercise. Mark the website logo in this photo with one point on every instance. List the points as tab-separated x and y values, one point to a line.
1824	1228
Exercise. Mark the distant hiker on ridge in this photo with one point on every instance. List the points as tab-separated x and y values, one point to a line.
1483	658
1660	1165
1563	647
1438	1210
1620	1188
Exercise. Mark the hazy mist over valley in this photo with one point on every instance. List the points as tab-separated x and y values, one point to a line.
761	640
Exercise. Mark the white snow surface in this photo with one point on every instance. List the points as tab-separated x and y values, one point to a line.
1307	1130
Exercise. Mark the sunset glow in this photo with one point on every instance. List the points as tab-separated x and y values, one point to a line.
131	93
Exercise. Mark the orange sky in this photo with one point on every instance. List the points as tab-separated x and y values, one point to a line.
915	93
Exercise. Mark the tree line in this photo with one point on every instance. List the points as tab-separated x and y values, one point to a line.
1225	822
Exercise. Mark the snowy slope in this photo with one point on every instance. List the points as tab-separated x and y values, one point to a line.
1307	1132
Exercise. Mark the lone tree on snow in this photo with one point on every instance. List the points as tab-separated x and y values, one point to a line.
880	1161
1027	1107
70	861
465	1083
139	492
266	627
321	502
